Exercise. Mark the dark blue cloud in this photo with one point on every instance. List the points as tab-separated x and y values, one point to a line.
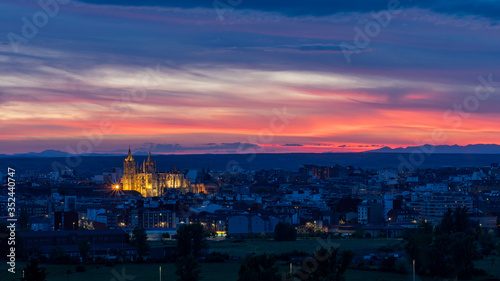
485	8
168	147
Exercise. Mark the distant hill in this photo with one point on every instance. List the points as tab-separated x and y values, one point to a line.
439	149
54	153
93	165
444	149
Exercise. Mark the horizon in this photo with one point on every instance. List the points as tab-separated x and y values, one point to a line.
377	150
187	78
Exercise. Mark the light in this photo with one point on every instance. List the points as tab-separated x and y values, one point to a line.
117	187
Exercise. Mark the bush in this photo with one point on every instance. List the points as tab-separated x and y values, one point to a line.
285	232
287	256
479	272
362	265
217	257
80	269
389	264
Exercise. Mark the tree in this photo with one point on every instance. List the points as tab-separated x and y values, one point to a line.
190	240
487	243
84	249
285	232
461	220
417	249
327	265
454	221
188	268
448	251
34	273
259	268
164	236
439	251
463	252
139	240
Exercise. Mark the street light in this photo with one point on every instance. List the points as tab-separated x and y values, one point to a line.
413	270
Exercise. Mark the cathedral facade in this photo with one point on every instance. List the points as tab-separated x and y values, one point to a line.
147	181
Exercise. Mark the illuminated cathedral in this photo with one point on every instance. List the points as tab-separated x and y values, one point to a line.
147	181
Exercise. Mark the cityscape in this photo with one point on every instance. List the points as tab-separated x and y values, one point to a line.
248	140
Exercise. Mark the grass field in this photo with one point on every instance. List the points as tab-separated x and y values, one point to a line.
258	246
210	272
229	270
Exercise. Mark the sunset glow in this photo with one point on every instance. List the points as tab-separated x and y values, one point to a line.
179	80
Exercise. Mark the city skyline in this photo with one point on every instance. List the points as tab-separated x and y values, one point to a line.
252	77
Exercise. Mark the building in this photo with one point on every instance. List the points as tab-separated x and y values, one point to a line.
402	216
363	209
104	243
66	221
147	181
158	219
70	203
41	224
244	224
433	207
370	212
33	210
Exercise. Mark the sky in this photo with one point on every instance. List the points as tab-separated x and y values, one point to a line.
244	76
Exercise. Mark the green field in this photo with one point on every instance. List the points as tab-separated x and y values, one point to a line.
210	272
270	246
229	270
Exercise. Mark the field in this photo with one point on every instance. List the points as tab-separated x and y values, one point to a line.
229	270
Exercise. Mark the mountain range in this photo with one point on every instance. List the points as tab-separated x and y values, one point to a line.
427	148
445	149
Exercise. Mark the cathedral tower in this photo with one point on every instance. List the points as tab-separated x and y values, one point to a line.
128	178
149	166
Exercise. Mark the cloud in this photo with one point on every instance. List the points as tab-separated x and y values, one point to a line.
301	48
219	83
213	147
292	144
484	8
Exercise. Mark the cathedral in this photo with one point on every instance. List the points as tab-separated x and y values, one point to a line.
147	181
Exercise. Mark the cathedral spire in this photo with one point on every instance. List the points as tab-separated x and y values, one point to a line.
149	156
129	157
